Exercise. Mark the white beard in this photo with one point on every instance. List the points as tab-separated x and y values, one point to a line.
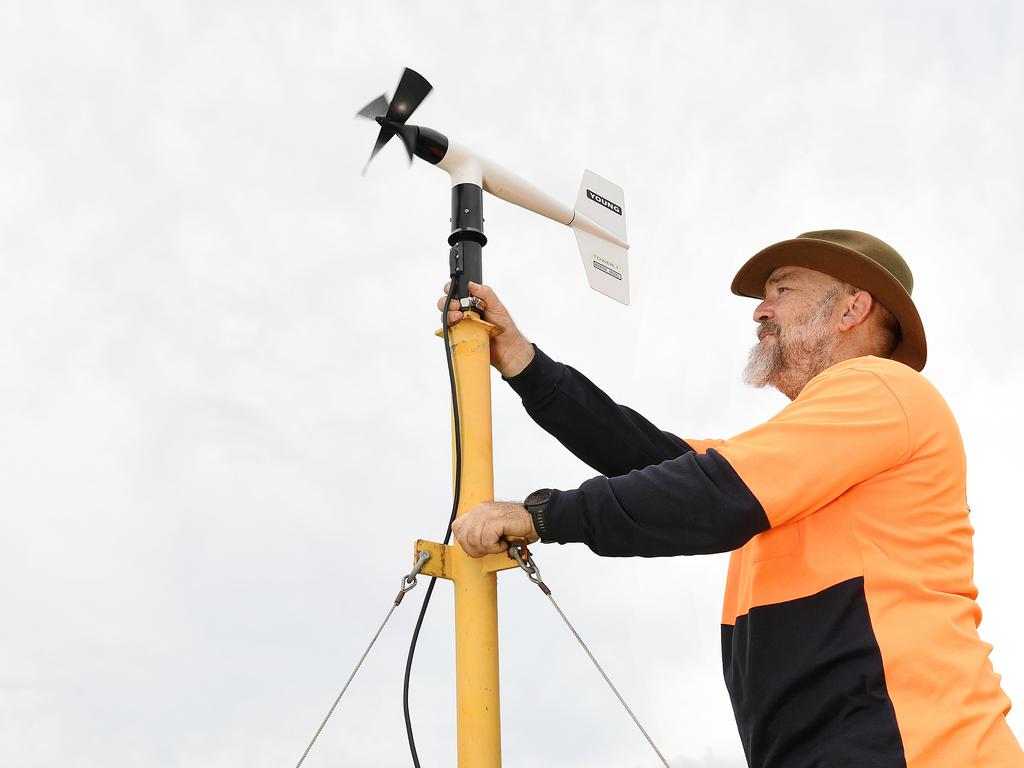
805	346
764	362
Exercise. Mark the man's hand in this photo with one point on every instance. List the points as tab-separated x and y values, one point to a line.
481	530
511	352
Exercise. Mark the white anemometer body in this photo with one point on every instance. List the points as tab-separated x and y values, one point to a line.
598	218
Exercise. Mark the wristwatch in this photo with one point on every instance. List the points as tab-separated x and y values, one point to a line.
536	504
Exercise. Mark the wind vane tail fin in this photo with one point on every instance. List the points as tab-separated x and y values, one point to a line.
600	227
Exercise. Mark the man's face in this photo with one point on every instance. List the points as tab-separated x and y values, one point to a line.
796	329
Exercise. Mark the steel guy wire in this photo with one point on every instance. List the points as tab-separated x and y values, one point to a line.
408	583
533	573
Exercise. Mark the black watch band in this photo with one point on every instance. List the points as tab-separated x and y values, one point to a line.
536	504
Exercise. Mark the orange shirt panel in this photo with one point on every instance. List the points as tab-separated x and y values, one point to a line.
845	426
864	474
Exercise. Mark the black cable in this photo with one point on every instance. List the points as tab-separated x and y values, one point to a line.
451	519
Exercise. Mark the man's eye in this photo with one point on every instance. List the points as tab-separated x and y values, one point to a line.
783	288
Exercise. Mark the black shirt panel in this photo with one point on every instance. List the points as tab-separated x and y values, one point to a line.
808	686
611	438
691	505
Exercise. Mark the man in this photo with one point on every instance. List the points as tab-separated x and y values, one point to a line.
849	629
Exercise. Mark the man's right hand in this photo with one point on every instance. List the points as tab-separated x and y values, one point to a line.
511	352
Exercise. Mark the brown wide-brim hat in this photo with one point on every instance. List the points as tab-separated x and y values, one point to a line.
855	258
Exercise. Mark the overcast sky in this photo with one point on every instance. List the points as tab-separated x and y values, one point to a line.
224	414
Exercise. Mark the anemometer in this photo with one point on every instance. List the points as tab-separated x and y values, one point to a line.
598	218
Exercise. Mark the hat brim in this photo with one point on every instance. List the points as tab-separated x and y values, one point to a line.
849	266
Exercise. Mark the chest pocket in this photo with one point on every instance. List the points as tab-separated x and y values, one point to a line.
798	559
777	542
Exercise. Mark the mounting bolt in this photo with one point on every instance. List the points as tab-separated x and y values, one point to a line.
466	211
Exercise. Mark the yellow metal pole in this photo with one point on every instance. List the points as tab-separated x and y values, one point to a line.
476	590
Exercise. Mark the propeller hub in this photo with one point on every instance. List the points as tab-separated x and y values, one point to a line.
391	117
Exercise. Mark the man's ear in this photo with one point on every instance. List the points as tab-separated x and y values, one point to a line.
857	307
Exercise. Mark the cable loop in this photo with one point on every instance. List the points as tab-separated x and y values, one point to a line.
518	552
409	580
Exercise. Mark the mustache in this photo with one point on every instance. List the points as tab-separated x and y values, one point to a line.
766	327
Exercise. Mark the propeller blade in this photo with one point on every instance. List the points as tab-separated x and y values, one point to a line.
376	108
408	134
386	132
411	91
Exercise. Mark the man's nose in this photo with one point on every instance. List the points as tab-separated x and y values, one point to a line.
764	311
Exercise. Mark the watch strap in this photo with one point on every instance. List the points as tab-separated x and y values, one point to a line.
536	504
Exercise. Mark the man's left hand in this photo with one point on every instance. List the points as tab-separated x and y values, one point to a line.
483	530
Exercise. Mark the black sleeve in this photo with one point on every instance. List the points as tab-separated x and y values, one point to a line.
613	439
691	505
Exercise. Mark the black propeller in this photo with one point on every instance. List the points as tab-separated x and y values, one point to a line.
412	89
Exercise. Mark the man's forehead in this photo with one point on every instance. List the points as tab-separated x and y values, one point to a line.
792	273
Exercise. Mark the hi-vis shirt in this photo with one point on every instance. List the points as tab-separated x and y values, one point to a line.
849	628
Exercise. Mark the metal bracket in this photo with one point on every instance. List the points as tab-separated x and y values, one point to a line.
440	563
443	558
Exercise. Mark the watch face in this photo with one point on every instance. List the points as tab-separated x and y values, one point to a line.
538	497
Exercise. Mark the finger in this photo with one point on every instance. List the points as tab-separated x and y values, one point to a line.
473	537
453	304
498	547
482	291
462	529
447	287
464	537
486	294
482	536
497	542
489	535
454	317
494	536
